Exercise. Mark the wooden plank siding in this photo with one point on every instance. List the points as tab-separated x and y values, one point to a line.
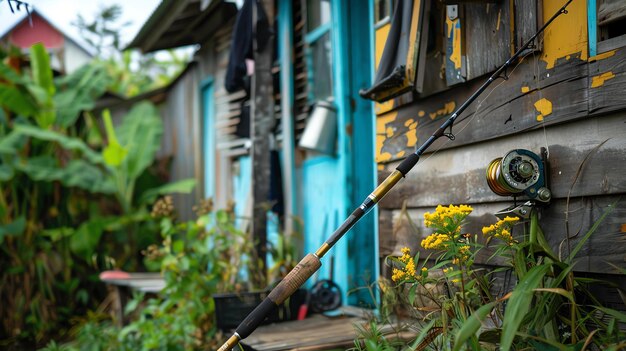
183	140
555	97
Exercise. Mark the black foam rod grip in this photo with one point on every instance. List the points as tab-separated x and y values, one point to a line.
255	318
408	163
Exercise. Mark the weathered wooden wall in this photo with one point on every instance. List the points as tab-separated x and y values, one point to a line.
182	139
556	98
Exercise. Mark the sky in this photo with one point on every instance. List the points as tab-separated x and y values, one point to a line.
63	12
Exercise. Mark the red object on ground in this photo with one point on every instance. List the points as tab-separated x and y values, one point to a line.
109	275
304	308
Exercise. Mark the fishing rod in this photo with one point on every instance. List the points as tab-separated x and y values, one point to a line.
312	262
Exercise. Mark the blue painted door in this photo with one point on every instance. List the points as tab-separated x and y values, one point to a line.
334	185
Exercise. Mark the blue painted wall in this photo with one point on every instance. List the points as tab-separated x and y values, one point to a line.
332	186
323	210
208	132
363	241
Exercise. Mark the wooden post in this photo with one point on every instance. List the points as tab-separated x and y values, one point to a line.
262	118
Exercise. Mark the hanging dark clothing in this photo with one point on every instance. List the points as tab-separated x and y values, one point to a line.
242	43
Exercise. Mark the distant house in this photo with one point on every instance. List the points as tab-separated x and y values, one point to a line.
66	55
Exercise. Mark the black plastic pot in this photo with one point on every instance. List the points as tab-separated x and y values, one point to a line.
232	308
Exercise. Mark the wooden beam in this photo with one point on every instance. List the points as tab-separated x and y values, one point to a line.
173	12
262	117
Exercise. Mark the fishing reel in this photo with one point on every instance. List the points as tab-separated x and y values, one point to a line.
519	173
325	296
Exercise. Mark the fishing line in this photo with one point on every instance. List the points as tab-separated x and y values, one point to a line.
540	93
473	115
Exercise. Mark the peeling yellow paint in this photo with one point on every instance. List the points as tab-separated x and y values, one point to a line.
421	113
389	132
413	42
455	30
400	154
525	89
408	122
601	56
381	135
382	121
384	157
411	138
411	134
544	107
384	107
568	35
380	167
447	109
598	81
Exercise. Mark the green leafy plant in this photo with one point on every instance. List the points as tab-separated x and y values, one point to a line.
452	298
198	259
67	209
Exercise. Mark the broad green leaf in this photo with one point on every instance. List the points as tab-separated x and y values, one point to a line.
84	241
14	228
6	172
559	291
57	234
44	89
78	92
140	133
113	154
11	143
20	102
7	73
412	292
519	304
40	168
81	174
471	325
77	173
64	141
40	65
184	186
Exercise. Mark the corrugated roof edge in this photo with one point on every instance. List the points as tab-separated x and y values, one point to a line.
150	36
155	18
118	100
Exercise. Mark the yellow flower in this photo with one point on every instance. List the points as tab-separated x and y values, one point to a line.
502	229
410	268
435	242
508	219
397	275
489	229
405	251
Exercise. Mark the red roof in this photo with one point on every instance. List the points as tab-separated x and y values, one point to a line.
35	30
